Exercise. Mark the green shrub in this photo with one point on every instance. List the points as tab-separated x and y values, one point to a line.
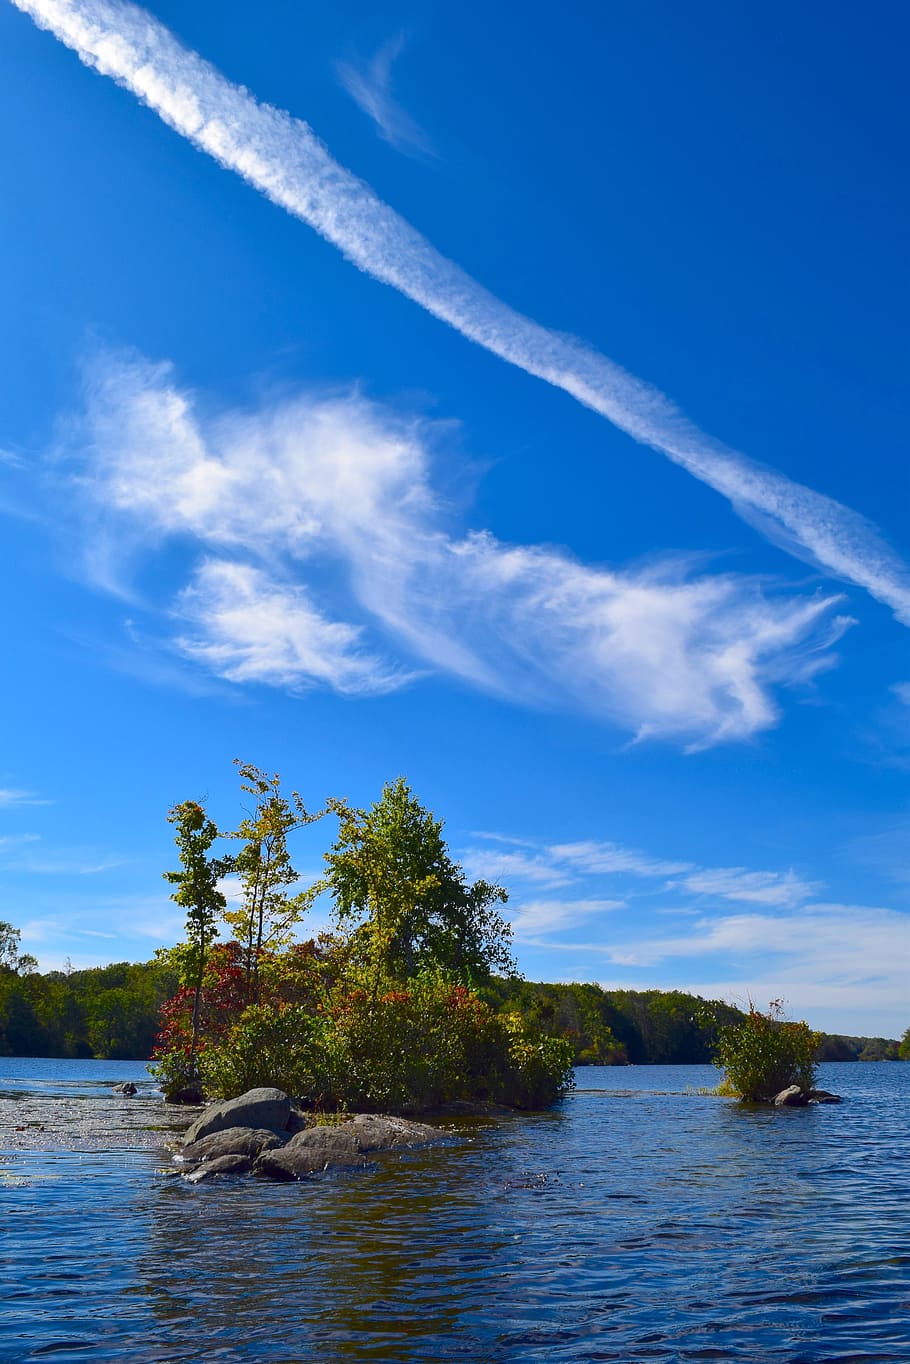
765	1054
403	1049
535	1068
289	1047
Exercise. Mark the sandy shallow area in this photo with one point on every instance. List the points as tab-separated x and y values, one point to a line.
112	1122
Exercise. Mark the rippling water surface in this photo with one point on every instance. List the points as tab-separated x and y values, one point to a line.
637	1221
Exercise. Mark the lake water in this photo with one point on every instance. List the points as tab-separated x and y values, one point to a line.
637	1221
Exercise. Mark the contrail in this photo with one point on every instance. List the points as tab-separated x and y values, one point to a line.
283	158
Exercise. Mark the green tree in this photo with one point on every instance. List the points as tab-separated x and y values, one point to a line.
903	1050
198	893
267	915
404	904
11	959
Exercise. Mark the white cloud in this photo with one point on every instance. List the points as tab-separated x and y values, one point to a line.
760	887
310	484
283	158
593	857
11	842
532	918
833	963
22	856
24	853
827	942
370	87
250	629
902	692
570	861
689	888
501	865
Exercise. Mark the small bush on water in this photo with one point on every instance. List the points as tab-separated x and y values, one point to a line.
766	1054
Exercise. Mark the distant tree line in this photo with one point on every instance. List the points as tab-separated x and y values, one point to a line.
655	1027
838	1048
114	1011
105	1011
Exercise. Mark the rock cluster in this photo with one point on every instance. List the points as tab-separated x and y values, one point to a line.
262	1133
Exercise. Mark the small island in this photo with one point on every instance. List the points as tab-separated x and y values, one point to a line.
408	1005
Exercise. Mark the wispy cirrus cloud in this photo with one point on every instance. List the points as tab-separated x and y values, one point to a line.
283	158
11	843
758	887
533	918
311	488
613	864
26	853
850	943
10	795
503	865
370	86
593	858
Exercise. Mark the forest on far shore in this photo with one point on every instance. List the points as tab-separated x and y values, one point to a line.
113	1012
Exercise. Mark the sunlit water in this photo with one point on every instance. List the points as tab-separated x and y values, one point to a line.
637	1221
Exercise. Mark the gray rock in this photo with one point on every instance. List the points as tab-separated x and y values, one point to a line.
233	1141
126	1088
366	1132
791	1097
222	1165
257	1108
298	1120
344	1145
823	1096
189	1094
376	1132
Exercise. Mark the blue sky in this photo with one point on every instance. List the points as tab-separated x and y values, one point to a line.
514	402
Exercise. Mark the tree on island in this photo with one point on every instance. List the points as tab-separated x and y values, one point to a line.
267	915
903	1050
199	894
404	904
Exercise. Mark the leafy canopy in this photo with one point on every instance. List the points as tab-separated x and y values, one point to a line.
404	903
267	914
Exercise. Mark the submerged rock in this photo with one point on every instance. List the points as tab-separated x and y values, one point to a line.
823	1096
266	1107
285	1165
126	1088
221	1165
